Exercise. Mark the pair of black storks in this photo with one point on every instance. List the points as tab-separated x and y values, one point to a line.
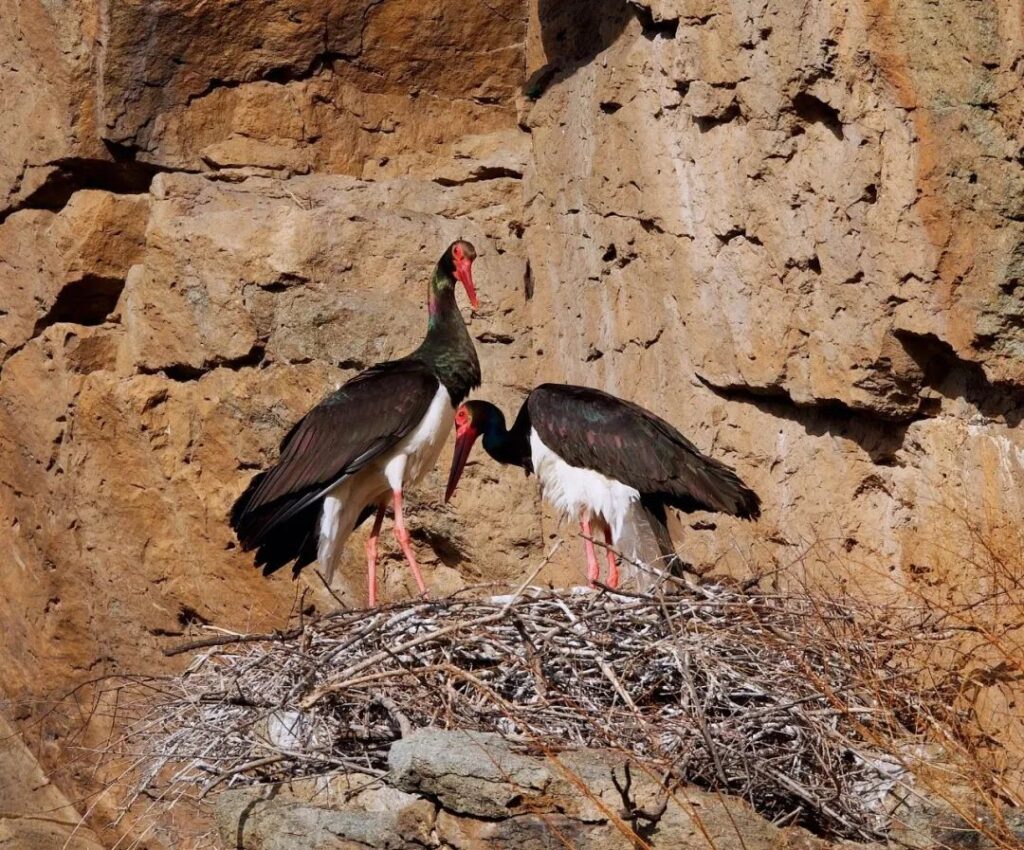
605	462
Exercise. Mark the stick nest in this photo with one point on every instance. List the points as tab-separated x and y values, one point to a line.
775	698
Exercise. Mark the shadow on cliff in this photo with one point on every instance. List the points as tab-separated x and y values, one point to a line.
943	372
573	33
953	377
877	437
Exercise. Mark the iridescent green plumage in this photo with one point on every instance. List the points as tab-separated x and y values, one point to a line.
448	348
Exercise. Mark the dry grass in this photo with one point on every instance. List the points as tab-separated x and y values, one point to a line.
968	679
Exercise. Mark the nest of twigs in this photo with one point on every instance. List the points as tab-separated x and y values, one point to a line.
760	695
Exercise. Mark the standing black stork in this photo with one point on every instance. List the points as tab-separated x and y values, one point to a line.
605	461
364	443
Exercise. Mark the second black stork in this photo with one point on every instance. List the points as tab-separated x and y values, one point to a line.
360	447
606	462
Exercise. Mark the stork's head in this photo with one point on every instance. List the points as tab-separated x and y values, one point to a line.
472	420
457	263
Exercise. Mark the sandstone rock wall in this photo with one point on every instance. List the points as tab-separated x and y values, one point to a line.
795	231
33	811
807	241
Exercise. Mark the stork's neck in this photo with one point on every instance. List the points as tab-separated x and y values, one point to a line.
508	447
447	347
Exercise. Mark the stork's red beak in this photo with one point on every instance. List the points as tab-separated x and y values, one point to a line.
464	272
464	439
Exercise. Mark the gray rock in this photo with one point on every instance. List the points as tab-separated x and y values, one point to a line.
474	791
528	832
271	818
468	772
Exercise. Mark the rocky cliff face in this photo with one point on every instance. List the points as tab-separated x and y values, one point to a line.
34	812
797	232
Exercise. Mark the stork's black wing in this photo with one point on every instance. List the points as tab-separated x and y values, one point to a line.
593	430
367	416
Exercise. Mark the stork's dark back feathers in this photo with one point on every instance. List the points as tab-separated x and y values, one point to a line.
278	512
621	440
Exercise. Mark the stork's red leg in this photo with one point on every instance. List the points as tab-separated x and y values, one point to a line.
613	566
593	570
403	540
371	556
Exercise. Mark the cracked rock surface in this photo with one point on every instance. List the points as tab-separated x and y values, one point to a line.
33	811
469	791
795	231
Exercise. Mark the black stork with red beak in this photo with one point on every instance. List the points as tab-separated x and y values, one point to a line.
364	444
606	462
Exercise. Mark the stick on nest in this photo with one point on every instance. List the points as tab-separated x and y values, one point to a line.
759	695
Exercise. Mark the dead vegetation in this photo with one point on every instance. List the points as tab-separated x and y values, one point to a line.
807	709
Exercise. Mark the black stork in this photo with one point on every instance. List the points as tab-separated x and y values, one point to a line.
606	462
364	443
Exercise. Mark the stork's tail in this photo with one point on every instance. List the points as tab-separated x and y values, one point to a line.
645	544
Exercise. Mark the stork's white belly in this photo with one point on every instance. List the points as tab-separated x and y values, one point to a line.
396	469
576	491
416	455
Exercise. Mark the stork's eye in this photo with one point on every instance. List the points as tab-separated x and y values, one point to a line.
457	252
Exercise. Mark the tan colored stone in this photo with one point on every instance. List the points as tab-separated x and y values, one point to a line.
34	814
46	98
759	227
67	266
380	63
